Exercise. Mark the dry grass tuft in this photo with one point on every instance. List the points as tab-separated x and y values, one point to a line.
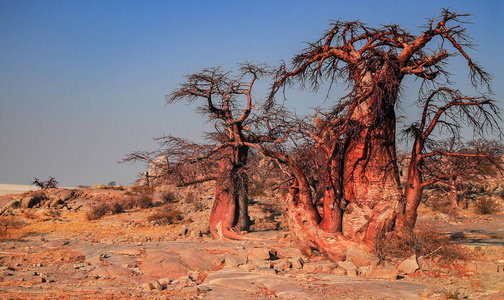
166	217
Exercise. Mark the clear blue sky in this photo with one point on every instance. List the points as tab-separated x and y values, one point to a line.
82	83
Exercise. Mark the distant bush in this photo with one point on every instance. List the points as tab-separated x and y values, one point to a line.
8	223
116	207
169	197
143	201
48	184
486	206
97	211
257	192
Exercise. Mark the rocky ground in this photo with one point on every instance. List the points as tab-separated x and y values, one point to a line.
54	244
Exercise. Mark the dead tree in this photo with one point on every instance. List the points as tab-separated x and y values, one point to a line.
362	197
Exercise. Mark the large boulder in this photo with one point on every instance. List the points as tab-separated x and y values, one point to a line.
32	199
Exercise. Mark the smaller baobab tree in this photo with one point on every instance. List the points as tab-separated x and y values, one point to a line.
445	111
227	102
471	165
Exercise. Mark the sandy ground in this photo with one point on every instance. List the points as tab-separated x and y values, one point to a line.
7	189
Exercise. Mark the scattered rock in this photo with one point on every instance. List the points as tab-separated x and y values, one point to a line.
319	267
297	263
163	264
347	265
409	265
494	253
361	257
81	265
260	254
385	274
494	282
426	264
482	267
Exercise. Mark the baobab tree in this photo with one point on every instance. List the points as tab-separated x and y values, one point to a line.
227	102
362	198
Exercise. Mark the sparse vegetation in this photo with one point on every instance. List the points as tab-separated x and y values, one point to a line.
426	242
48	184
169	197
486	206
97	211
143	201
8	223
166	216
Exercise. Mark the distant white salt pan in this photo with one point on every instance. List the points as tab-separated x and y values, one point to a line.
6	189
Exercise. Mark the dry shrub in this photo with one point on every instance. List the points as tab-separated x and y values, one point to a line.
191	198
30	214
116	207
169	197
166	217
9	223
129	203
144	201
97	211
426	242
257	192
486	206
444	205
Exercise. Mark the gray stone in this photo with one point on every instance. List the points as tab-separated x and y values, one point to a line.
426	264
319	267
409	265
13	204
361	257
347	265
231	261
163	264
386	274
158	286
493	282
482	267
297	263
493	253
31	201
260	254
339	271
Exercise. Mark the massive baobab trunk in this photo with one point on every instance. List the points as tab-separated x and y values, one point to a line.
371	185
